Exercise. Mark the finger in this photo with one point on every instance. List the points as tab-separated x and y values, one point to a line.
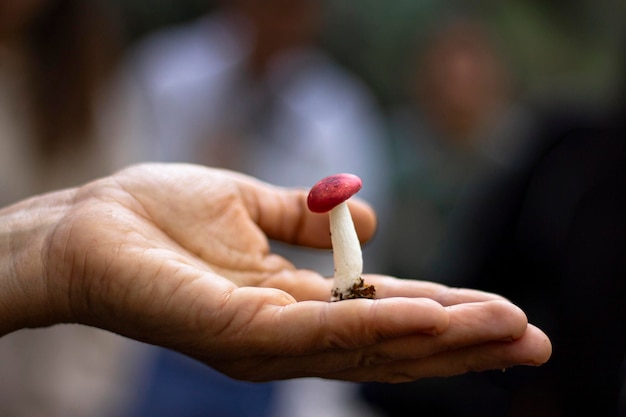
532	349
395	287
206	193
480	336
285	341
309	285
283	215
469	325
354	324
309	327
302	284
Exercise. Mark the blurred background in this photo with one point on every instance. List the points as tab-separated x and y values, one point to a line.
568	50
479	128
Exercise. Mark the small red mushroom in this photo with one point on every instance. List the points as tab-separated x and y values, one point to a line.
330	195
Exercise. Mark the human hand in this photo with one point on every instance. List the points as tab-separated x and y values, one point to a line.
178	256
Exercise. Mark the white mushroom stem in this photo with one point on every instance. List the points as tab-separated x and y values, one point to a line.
347	254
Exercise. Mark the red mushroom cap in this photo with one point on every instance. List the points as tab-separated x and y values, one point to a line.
332	191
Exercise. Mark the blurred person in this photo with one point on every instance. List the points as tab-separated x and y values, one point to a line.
559	221
461	125
550	235
56	60
50	81
247	88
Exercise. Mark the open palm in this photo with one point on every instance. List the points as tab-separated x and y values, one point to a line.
178	256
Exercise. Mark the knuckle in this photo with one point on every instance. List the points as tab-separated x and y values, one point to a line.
373	358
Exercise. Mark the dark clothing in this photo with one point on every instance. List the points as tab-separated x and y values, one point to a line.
551	237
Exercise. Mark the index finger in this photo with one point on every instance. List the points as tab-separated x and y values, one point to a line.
283	215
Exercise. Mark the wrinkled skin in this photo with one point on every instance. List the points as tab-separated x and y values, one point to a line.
178	256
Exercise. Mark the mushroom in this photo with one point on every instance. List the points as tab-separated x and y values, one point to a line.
330	195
